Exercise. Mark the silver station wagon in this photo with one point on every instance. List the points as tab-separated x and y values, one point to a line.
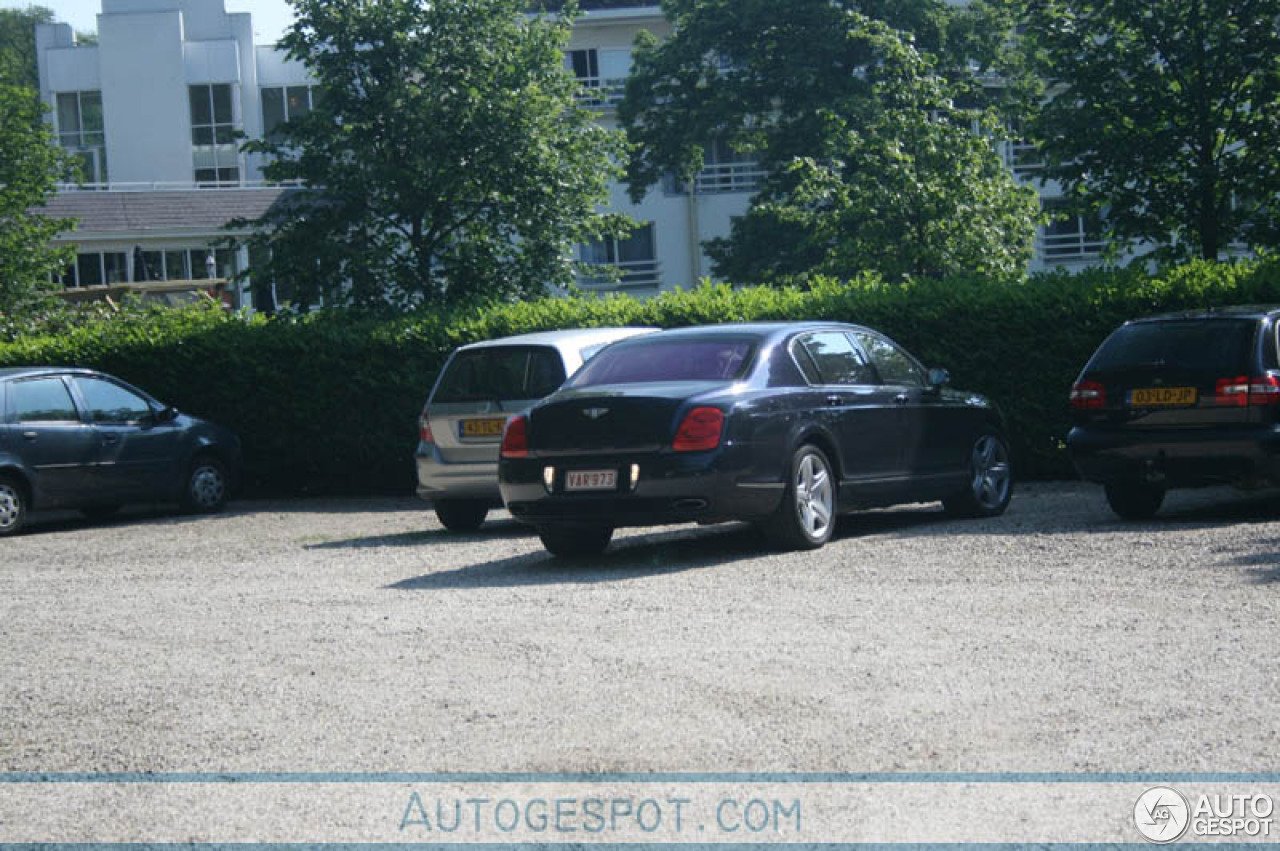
480	387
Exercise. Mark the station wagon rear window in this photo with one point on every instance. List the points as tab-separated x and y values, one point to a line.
717	359
1212	346
500	373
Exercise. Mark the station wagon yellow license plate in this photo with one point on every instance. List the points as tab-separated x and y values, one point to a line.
1162	397
488	427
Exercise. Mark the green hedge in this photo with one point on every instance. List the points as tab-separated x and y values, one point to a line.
328	404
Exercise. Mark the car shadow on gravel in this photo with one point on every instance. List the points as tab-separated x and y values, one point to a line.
640	556
490	531
1088	514
1260	568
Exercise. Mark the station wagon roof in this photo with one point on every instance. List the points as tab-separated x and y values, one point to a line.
30	371
1240	311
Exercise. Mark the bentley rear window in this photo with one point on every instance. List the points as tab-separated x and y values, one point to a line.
718	359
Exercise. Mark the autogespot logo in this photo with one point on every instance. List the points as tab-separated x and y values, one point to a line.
1162	814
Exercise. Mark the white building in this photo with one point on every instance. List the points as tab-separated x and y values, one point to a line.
153	107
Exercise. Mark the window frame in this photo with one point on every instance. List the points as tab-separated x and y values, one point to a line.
798	340
214	129
910	358
89	146
12	397
268	132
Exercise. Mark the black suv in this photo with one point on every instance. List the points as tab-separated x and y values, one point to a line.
1179	401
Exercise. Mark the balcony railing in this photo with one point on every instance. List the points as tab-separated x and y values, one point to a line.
605	92
729	177
1021	158
170	186
635	273
1069	246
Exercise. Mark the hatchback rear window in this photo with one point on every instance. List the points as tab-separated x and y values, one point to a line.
501	373
719	359
1217	346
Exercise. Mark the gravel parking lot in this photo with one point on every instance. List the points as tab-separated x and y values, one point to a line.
358	636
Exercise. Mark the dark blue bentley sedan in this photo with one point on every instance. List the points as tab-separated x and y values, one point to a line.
784	425
74	438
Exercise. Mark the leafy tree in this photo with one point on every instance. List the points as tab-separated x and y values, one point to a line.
862	116
1165	116
907	189
31	165
447	158
18	45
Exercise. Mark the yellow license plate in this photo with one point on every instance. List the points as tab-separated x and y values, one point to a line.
490	427
1162	397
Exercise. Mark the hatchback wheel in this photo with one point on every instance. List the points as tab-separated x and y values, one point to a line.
13	506
1135	500
807	516
990	481
461	515
207	486
575	541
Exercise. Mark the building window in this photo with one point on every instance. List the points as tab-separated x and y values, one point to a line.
284	103
80	133
154	265
585	65
601	73
94	269
635	259
1068	236
213	135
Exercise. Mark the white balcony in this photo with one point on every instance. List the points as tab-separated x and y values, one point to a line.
631	274
1021	158
602	92
1067	247
729	177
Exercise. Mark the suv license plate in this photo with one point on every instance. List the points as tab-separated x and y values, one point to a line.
1162	397
490	427
591	480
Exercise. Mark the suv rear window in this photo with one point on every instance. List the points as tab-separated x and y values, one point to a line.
501	373
718	359
1217	346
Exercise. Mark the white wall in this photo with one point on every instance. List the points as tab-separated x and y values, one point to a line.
144	97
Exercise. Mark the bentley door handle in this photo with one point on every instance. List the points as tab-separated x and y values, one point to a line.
901	399
833	399
30	435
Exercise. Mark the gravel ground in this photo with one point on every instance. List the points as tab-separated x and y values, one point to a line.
358	636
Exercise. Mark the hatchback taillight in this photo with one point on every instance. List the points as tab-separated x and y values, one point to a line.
1243	391
1088	396
700	430
424	430
515	438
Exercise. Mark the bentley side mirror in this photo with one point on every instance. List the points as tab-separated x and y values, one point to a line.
939	378
166	415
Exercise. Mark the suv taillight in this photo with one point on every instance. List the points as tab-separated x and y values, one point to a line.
1088	396
515	438
424	430
700	430
1243	391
